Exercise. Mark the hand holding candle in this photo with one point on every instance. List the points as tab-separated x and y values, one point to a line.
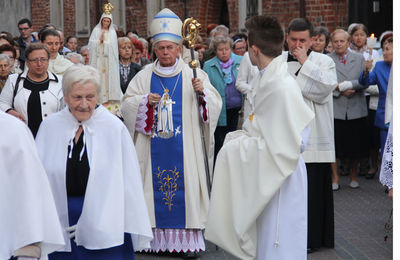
371	42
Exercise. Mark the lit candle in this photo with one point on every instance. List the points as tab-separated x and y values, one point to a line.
371	42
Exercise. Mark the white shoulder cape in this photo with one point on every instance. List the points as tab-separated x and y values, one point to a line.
27	210
114	201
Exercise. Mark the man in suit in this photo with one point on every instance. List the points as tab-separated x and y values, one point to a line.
316	75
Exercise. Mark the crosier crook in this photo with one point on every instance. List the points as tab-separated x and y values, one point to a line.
190	31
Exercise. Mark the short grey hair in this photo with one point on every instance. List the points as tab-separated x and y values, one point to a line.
5	57
71	55
220	39
84	48
220	29
80	74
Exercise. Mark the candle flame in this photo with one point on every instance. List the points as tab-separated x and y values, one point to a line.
372	36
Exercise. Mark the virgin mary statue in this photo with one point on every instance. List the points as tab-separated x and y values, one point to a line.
103	48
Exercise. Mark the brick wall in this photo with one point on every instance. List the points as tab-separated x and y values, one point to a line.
136	16
40	13
330	13
69	18
233	9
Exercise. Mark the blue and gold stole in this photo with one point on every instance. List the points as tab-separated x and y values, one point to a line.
167	161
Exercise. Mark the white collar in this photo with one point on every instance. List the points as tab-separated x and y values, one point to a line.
166	70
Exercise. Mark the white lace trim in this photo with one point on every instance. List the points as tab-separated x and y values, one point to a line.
142	116
177	240
386	174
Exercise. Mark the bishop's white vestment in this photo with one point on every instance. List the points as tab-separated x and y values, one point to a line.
196	199
27	209
253	213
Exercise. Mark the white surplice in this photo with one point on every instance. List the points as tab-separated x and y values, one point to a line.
254	165
114	202
27	209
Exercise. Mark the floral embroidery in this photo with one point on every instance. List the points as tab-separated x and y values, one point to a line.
168	185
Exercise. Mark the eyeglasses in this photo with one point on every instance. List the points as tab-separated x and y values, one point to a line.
36	60
23	28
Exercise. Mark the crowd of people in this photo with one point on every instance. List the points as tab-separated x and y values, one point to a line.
122	138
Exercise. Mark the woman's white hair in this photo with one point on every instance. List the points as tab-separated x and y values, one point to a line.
72	55
5	57
220	39
80	74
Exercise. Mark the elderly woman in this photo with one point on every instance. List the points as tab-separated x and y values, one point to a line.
127	66
380	76
100	202
11	52
5	67
222	71
34	94
350	108
320	39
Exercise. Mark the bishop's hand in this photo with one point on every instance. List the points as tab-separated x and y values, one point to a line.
197	85
153	99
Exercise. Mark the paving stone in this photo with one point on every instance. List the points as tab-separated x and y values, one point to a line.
360	216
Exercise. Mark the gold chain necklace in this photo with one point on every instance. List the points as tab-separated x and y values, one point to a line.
166	90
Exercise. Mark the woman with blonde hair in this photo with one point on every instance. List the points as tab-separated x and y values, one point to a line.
127	66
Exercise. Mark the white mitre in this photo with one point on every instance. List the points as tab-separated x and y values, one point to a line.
166	26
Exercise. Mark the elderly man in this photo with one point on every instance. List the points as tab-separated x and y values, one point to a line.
29	222
84	51
316	75
57	63
34	94
160	110
94	174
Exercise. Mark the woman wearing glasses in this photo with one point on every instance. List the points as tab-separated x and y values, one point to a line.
35	94
127	66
